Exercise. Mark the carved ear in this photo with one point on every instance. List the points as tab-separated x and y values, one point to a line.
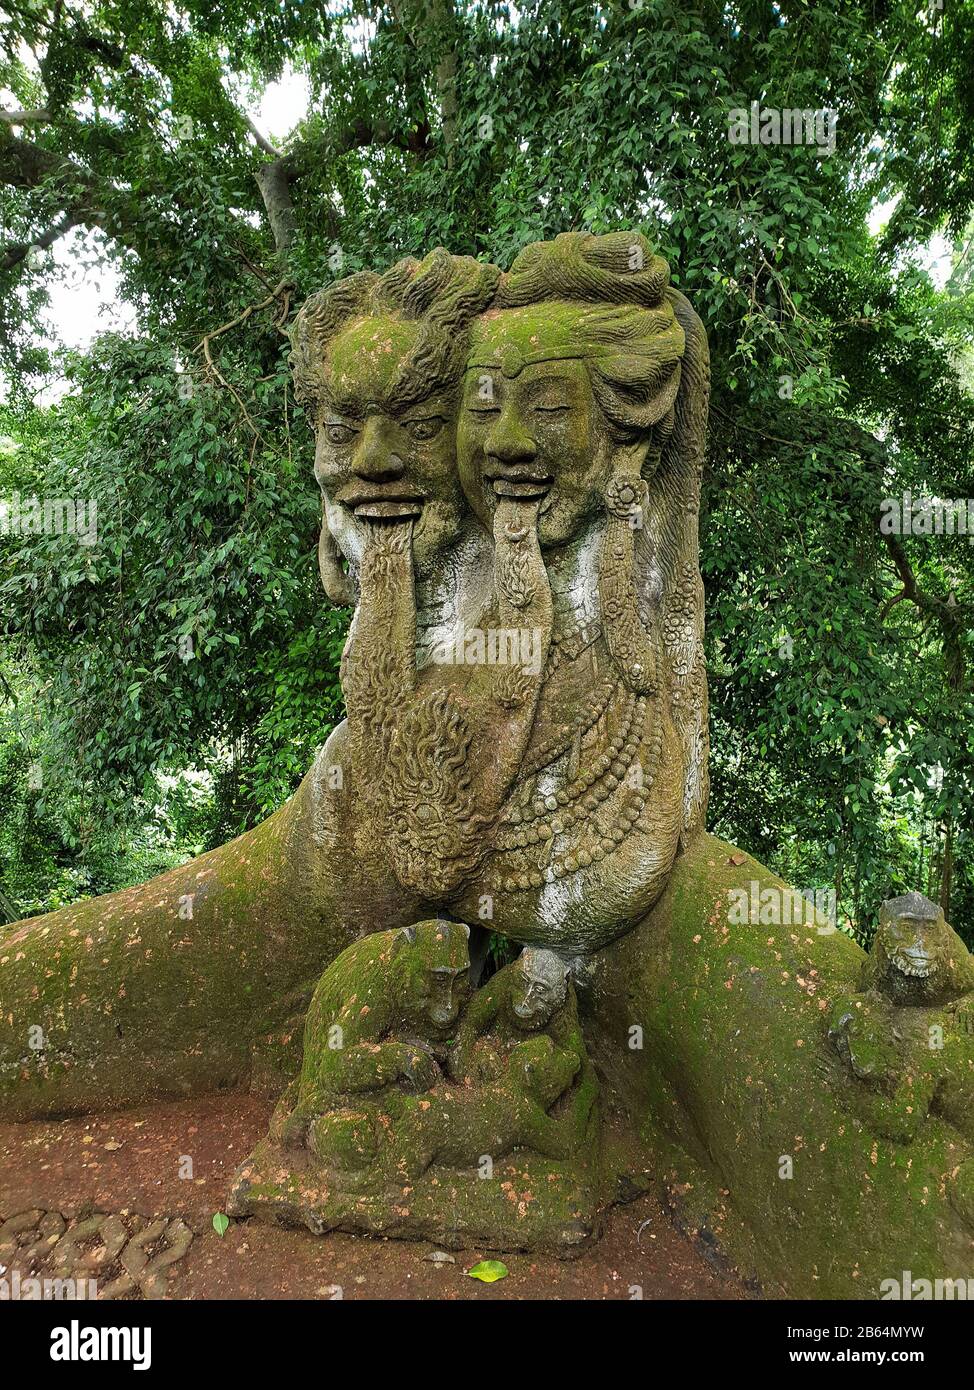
336	583
629	458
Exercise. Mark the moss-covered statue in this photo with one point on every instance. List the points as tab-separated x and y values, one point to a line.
917	960
908	1033
534	992
381	1016
509	465
375	1137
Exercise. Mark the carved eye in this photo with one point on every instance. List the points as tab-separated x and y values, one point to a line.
551	409
424	429
479	407
338	434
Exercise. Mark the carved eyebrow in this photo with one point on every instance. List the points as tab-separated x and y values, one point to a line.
344	406
401	405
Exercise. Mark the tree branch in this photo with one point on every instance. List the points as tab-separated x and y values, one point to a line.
262	140
274	179
954	614
274	182
282	292
18	251
39	117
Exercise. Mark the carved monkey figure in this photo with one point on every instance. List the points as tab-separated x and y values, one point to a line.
908	1035
530	995
379	1015
464	1123
916	958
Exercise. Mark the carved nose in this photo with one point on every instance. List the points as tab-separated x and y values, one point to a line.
377	465
375	461
381	468
507	443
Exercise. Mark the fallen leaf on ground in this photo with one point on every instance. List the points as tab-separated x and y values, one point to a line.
488	1271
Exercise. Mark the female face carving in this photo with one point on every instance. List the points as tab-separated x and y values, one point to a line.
529	426
380	460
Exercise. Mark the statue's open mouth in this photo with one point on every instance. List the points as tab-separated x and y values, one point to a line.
387	508
915	963
520	484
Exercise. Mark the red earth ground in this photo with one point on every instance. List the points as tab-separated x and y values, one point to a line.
130	1161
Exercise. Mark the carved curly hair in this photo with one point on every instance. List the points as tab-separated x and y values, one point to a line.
636	340
442	293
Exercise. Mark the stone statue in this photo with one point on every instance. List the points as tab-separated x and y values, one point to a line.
373	1118
533	992
908	1034
509	464
585	396
378	1013
578	429
916	959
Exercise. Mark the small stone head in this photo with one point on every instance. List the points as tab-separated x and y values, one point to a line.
912	948
437	973
543	986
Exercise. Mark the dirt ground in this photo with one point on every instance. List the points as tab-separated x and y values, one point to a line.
131	1163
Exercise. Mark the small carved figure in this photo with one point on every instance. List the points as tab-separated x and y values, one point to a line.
463	1124
909	1033
916	958
373	1105
527	996
379	1015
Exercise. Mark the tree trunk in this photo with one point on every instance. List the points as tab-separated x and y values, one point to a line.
275	189
947	867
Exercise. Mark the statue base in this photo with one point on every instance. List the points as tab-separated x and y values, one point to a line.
528	1203
427	1111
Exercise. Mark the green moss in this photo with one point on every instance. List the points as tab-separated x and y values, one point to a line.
738	1071
167	988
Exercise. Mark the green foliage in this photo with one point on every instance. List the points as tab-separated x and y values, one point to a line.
52	850
841	694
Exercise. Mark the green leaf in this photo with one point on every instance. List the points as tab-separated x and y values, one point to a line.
487	1271
221	1223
